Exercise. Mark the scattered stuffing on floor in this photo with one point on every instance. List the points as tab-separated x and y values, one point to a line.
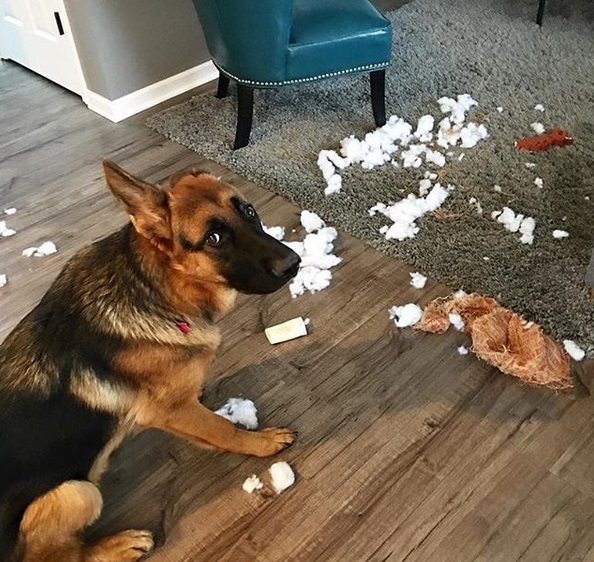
282	476
45	249
10	211
537	127
516	223
560	234
576	352
240	411
463	350
252	483
417	280
406	315
5	231
3	280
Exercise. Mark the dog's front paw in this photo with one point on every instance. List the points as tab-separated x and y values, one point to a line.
273	440
127	546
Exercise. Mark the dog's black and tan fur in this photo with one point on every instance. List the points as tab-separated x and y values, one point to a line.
107	352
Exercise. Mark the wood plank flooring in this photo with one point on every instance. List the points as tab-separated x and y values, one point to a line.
408	451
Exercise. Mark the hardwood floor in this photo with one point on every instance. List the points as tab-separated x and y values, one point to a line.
408	451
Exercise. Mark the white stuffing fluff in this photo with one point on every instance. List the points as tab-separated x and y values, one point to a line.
311	222
240	411
405	212
417	280
252	483
10	211
315	251
460	293
379	146
456	321
460	157
424	128
539	107
497	188
3	280
537	127
560	234
45	249
282	476
539	183
463	350
474	202
574	350
500	109
5	231
516	223
530	165
406	315
277	232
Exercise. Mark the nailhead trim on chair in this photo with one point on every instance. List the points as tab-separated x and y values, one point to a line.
312	78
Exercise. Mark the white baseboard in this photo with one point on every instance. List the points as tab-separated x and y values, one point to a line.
135	102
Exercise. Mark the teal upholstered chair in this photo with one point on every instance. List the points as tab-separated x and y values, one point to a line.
278	43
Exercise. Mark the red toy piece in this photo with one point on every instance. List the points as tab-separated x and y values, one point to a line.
555	137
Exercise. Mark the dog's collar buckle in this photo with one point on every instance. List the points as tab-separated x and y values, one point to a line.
183	326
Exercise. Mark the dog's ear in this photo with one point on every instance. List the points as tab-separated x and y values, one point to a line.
145	203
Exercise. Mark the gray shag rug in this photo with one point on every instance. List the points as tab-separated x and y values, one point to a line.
493	50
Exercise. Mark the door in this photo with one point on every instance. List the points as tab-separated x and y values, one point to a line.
36	34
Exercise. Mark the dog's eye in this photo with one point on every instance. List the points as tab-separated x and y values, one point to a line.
213	239
249	211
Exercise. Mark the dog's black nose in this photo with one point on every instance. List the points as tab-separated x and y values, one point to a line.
286	267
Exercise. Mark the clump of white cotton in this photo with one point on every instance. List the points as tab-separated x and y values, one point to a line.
240	411
456	321
560	234
5	231
10	211
252	483
539	107
406	315
500	109
574	350
277	232
474	202
417	280
463	350
538	182
382	144
405	213
282	476
530	165
311	222
315	251
516	223
3	280
537	127
45	249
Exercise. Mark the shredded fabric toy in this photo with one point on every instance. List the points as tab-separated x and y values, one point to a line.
502	338
555	137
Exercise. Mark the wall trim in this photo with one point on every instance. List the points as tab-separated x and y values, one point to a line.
135	102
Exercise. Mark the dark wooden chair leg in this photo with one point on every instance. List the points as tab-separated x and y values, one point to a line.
378	91
540	14
245	110
223	87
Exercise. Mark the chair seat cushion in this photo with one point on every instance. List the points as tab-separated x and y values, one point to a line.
336	36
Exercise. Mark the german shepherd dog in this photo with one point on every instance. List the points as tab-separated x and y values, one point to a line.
120	342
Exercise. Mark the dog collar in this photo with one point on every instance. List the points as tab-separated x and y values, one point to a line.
183	326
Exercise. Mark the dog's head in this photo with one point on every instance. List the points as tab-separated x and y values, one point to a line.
206	229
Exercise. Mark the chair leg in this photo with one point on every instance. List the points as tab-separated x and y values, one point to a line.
223	87
378	90
540	14
245	110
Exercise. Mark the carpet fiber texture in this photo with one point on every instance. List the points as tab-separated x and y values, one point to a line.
493	50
